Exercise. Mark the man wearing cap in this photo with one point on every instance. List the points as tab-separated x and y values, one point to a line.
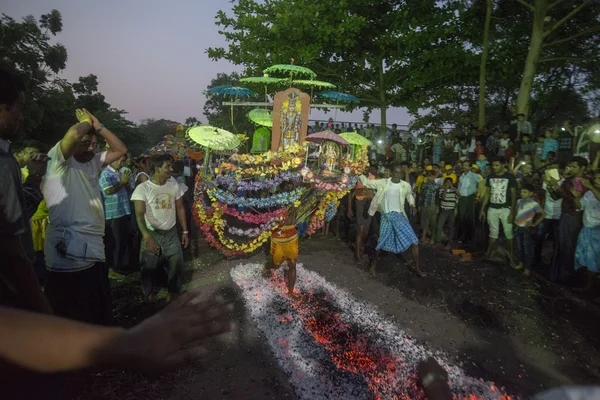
449	173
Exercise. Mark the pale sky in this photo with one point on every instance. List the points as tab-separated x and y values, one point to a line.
149	55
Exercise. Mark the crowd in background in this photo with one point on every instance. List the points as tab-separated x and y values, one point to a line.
473	187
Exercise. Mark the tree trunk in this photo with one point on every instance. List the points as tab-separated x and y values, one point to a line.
482	69
535	48
382	100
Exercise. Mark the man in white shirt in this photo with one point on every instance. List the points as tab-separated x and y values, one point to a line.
77	284
158	203
395	233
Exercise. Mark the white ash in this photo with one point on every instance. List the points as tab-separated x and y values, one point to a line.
308	365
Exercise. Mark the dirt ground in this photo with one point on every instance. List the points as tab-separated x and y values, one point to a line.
524	334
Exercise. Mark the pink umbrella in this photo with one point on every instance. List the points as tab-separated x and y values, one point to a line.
320	137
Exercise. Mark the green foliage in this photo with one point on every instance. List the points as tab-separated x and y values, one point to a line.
219	115
50	101
383	52
154	130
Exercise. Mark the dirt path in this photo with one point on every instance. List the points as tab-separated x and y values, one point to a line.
525	335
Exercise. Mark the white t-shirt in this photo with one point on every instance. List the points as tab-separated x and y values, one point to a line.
74	200
160	200
393	198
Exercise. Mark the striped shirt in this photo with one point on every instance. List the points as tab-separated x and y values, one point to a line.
527	209
448	201
116	205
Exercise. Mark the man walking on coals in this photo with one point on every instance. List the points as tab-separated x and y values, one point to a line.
395	233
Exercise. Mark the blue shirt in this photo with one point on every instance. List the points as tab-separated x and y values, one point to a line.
548	146
467	183
116	205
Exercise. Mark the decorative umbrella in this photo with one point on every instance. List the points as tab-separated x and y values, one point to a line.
231	90
176	149
320	137
261	117
265	80
291	69
339	96
312	83
355	139
212	139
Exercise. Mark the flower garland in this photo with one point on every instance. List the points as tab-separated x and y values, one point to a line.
318	219
234	184
278	199
254	232
324	186
330	212
250	218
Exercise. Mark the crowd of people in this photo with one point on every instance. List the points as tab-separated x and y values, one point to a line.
55	210
463	186
70	213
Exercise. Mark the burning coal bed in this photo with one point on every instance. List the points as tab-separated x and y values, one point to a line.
332	346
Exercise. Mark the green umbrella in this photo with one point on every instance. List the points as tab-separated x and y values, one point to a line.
312	83
291	69
261	117
265	80
355	138
213	138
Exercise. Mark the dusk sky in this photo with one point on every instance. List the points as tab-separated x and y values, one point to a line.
149	55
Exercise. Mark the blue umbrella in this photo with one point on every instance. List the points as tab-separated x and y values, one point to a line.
339	96
231	90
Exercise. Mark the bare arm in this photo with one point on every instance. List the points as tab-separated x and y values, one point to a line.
168	339
540	217
72	138
140	217
117	147
596	162
181	214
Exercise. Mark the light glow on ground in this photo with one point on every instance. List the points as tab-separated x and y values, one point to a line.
332	346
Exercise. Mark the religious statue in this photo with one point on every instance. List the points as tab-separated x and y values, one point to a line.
290	118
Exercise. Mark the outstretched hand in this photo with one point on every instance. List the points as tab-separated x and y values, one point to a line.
171	337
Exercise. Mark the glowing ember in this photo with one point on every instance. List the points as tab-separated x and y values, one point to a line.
333	346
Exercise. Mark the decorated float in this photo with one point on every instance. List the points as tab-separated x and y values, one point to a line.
239	201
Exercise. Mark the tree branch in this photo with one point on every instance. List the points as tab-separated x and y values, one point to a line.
566	59
566	18
557	2
567	39
526	4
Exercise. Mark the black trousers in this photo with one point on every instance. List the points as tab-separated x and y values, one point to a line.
82	295
466	218
118	241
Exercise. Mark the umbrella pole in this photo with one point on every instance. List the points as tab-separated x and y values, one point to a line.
232	124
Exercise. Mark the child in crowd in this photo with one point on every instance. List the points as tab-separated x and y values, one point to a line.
481	164
529	214
479	149
449	174
449	197
549	144
587	252
504	143
537	152
428	206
